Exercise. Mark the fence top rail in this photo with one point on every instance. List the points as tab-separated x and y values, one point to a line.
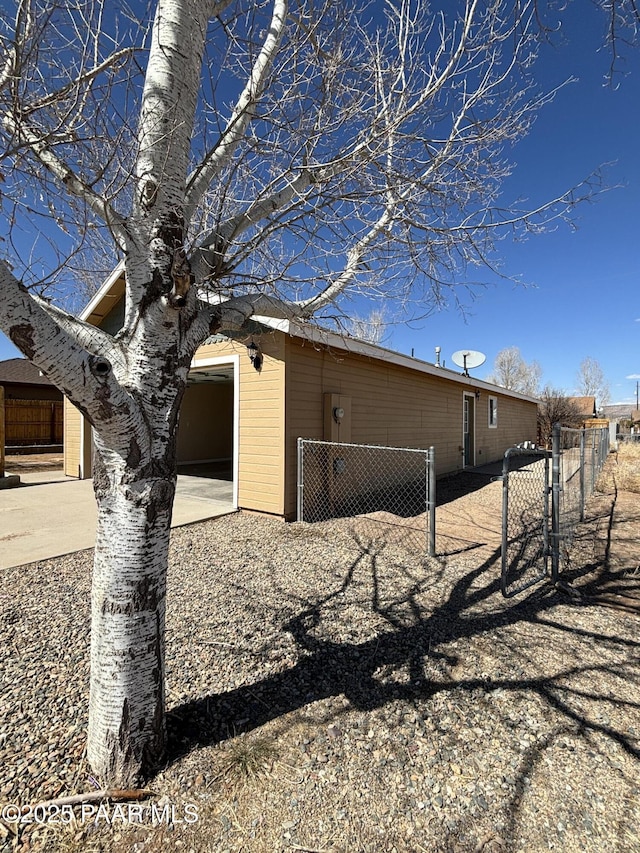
363	446
580	430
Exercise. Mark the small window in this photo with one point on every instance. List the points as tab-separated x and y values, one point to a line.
493	412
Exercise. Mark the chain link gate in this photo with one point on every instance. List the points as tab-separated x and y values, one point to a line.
389	490
533	531
525	519
578	457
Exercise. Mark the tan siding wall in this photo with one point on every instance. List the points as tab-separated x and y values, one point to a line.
72	426
517	422
261	427
393	406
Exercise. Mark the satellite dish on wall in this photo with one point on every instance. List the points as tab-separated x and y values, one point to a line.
468	359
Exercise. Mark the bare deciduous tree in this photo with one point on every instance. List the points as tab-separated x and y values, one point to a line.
241	158
555	407
592	381
511	371
371	328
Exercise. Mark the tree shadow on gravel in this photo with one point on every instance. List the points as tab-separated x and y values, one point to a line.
357	670
451	487
605	579
454	486
328	669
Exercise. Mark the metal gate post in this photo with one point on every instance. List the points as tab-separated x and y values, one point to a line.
582	484
300	508
505	523
555	503
431	499
545	515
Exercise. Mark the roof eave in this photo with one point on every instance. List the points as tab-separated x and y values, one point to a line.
325	337
105	290
353	345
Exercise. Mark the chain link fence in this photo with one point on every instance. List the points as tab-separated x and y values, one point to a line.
571	478
389	492
627	437
525	519
578	457
531	530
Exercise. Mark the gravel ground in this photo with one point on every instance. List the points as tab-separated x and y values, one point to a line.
329	691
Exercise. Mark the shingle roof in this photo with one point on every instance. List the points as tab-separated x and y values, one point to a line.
621	411
586	405
20	371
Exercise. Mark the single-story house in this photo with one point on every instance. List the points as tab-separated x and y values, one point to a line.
32	405
313	383
22	380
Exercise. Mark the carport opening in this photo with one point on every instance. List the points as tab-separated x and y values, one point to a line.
206	431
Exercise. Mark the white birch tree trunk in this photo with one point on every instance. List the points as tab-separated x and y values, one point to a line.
135	474
131	395
127	735
130	387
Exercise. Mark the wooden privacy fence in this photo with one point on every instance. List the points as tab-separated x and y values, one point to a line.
32	422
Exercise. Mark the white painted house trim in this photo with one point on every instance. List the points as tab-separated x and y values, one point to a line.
98	296
220	361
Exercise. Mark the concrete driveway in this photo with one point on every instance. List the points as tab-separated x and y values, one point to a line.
49	514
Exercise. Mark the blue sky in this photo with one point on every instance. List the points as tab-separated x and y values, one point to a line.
581	296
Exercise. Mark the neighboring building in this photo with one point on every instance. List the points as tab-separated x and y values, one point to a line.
32	405
22	380
252	419
586	406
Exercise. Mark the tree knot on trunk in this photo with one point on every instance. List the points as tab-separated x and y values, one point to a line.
134	456
149	194
100	367
160	502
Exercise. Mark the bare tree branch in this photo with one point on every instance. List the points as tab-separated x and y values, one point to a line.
67	177
242	114
511	371
592	381
74	355
86	77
